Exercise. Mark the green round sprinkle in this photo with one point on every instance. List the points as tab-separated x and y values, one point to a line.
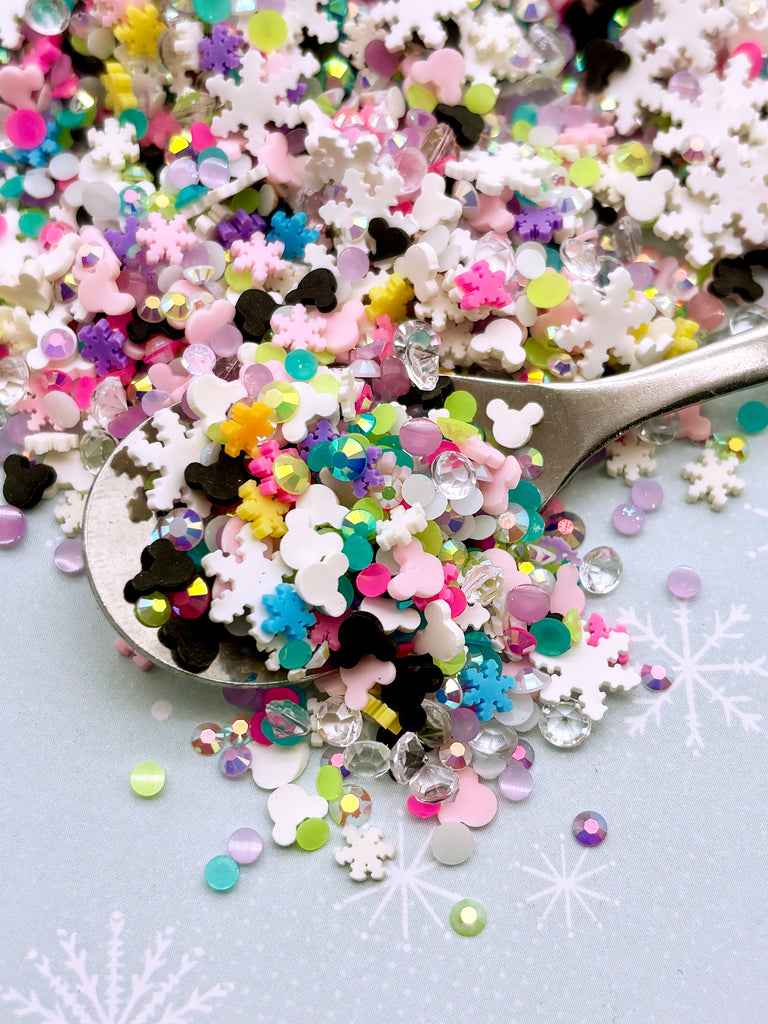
480	98
294	654
31	223
222	872
329	782
212	153
369	505
212	11
753	417
358	551
12	187
312	834
461	406
147	779
468	917
552	637
301	365
138	119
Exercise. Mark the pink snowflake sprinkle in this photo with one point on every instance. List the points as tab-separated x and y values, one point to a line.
298	330
258	256
165	240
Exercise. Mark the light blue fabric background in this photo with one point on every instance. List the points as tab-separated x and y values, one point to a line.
666	920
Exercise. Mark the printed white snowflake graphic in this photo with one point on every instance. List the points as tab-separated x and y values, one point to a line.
763	513
88	997
566	885
691	664
405	882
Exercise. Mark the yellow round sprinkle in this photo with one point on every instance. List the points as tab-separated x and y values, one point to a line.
548	290
326	384
267	30
450	668
420	98
521	130
239	281
584	172
431	538
266	352
480	99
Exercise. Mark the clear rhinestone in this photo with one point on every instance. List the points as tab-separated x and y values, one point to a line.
564	724
454	475
660	430
337	724
494	740
600	570
14	375
417	345
438	729
287	719
354	806
407	757
456	755
434	784
366	758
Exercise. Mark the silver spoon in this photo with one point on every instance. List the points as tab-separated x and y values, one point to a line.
579	419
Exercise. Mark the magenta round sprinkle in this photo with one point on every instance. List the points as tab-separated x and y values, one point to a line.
684	582
68	557
13	525
628	519
516	781
647	494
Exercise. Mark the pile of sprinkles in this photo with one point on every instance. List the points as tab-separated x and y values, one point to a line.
259	231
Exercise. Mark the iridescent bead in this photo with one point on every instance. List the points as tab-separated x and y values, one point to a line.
518	642
600	570
337	724
450	694
434	784
407	757
183	527
367	758
589	828
208	739
456	755
512	525
524	753
564	724
235	761
531	460
654	677
727	444
353	806
566	526
153	609
454	475
348	457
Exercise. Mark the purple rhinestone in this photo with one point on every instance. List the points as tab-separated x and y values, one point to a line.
589	828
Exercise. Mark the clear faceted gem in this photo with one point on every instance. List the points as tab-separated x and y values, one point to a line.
512	525
528	680
450	695
438	729
337	724
14	375
600	570
353	806
483	583
454	475
95	448
417	345
524	753
366	758
494	739
287	719
434	784
456	755
406	758
208	739
660	430
580	258
183	527
589	828
564	724
654	677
